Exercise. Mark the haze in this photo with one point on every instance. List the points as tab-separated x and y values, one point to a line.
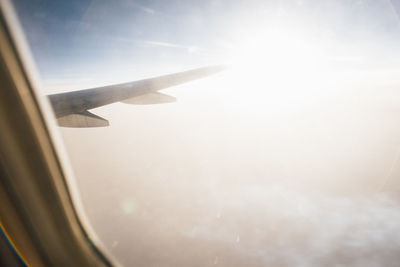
289	158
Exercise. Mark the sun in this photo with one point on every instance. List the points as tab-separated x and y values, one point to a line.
280	54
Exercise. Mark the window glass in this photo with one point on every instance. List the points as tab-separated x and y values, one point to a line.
290	157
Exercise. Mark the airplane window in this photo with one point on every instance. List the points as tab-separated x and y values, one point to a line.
229	133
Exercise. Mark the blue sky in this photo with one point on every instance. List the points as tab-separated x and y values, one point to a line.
107	41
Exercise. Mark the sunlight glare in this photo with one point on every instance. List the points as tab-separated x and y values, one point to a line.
283	55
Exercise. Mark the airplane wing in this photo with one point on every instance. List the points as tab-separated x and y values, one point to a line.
71	108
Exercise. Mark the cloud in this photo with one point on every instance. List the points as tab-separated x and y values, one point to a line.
148	10
292	228
189	49
163	44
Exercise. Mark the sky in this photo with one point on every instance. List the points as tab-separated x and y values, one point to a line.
90	42
289	158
